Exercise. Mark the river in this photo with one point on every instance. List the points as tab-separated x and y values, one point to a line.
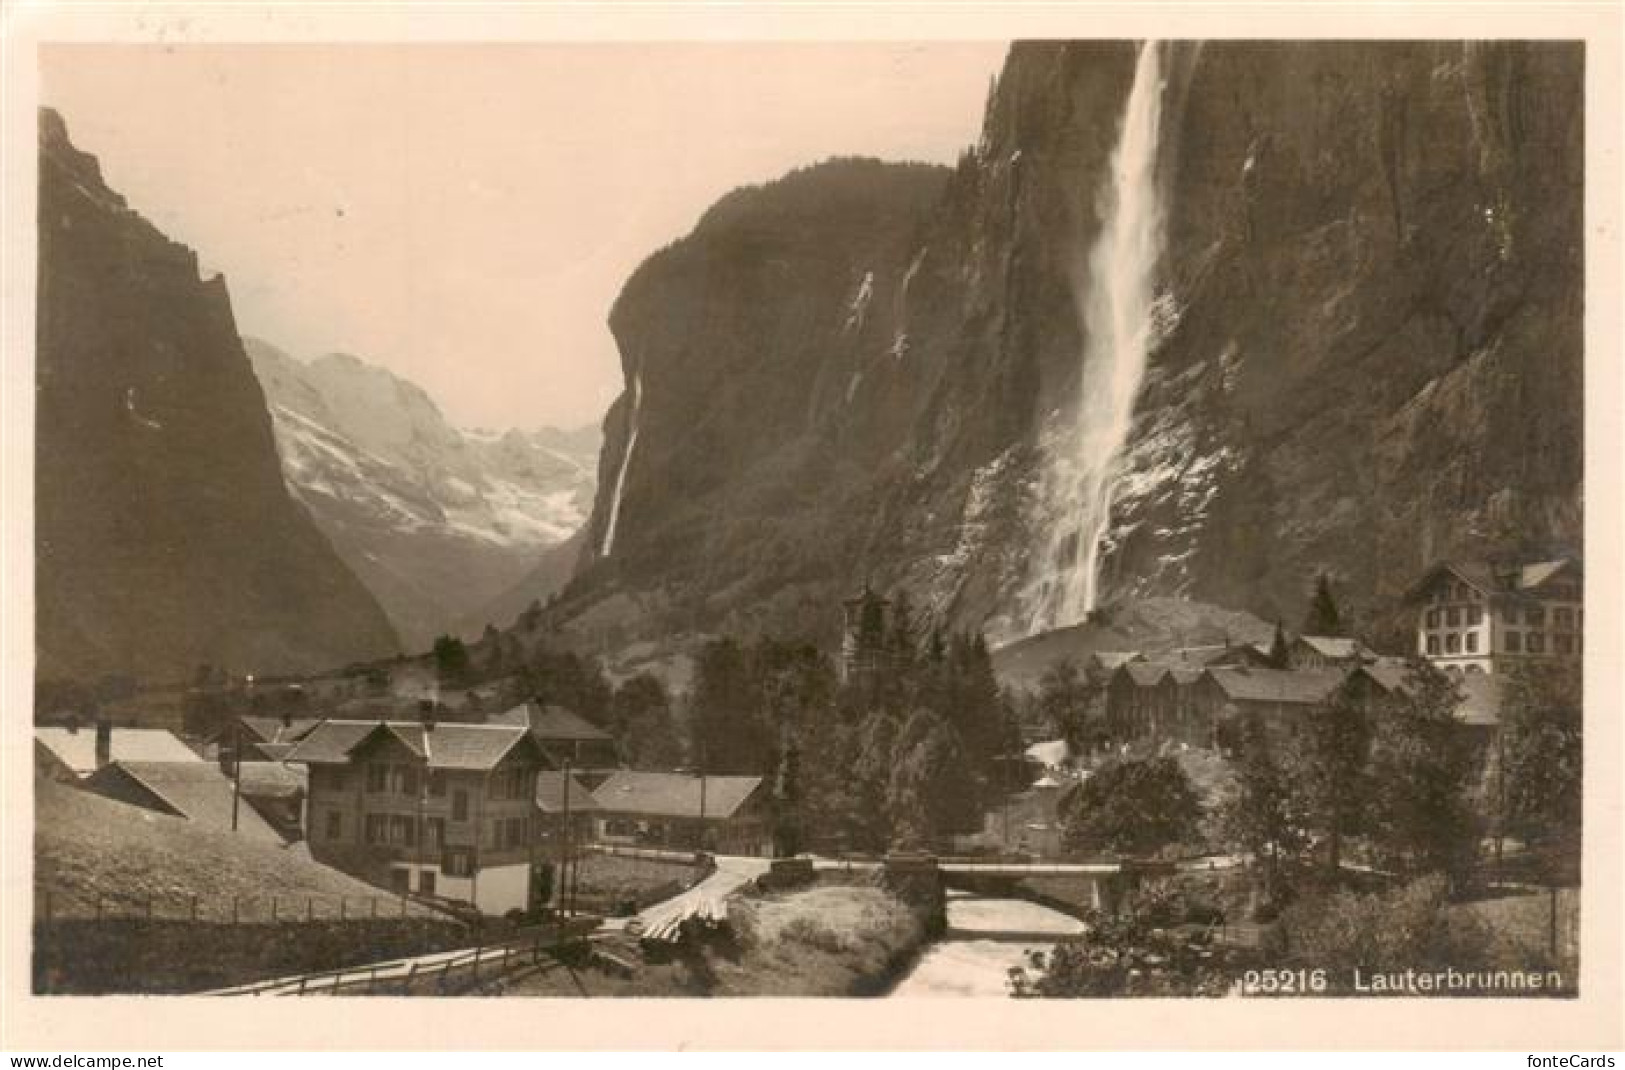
963	963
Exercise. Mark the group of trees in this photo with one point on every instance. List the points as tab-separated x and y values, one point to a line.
1402	773
901	755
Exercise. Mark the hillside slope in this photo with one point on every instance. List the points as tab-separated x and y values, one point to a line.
165	537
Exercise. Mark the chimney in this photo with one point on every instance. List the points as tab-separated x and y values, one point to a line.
104	742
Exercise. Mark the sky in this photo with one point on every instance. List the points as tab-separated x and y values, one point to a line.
466	214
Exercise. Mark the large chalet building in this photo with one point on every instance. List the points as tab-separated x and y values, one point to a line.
1476	617
448	810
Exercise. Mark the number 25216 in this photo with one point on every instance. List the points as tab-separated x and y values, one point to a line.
1282	982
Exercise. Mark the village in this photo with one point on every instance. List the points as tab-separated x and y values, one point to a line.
453	805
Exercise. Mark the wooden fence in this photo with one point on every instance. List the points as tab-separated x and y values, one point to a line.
53	906
445	973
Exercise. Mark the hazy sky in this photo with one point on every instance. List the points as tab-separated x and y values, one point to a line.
466	214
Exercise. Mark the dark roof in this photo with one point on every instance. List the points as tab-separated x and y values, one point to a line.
1488	580
273	780
1393	675
550	794
1199	655
270	752
1302	687
198	791
550	722
446	746
674	794
1334	646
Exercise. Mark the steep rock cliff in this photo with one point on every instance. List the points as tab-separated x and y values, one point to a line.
165	537
1368	350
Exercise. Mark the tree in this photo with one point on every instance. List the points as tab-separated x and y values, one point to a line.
926	795
640	719
1259	817
871	780
1541	748
1326	763
1323	618
451	658
1133	808
1279	657
1421	764
1065	696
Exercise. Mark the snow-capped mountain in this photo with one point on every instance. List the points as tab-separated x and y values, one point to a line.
436	520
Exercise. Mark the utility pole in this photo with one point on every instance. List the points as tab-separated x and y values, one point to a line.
564	858
237	757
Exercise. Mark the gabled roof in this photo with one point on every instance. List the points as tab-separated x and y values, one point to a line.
1199	655
273	780
76	749
445	746
550	722
629	791
1335	646
197	791
1183	675
1112	659
550	794
1485	578
273	730
1302	687
1393	675
1142	673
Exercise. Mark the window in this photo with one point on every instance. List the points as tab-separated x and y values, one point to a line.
1475	615
335	824
426	882
459	805
1535	615
1537	642
1471	641
376	828
1452	643
437	783
1433	618
435	834
339	780
402	830
1433	644
458	862
1564	644
1563	618
377	777
1514	642
1453	617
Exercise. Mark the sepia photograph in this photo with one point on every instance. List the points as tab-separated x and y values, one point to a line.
1013	519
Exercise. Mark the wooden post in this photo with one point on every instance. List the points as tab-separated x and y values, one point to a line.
1552	920
234	910
342	913
194	906
373	899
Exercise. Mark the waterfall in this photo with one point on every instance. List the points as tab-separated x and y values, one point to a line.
626	462
1116	299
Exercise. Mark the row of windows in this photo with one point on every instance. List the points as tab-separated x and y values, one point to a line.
1455	591
1511	643
401	778
401	830
1564	618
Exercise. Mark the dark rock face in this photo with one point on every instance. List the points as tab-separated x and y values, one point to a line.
1370	354
165	537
